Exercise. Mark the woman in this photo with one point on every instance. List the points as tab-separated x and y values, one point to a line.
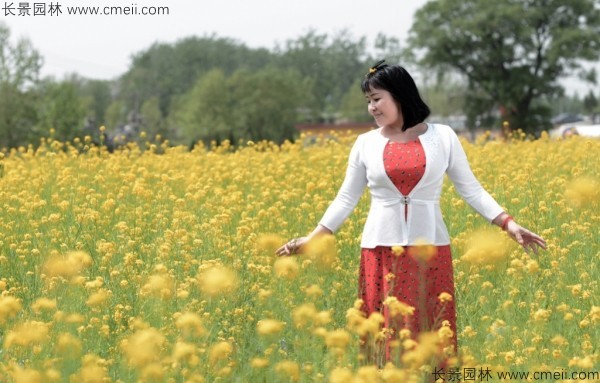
403	163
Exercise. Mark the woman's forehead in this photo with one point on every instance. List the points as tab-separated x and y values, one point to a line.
372	91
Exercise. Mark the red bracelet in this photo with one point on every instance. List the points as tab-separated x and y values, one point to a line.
505	222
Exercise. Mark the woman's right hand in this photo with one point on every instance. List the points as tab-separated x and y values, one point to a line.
293	246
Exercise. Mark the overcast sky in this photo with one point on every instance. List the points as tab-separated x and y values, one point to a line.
100	46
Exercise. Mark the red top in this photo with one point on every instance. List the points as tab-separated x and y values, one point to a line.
404	164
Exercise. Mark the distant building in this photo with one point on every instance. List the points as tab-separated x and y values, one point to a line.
343	128
458	123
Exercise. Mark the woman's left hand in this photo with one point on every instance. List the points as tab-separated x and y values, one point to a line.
525	238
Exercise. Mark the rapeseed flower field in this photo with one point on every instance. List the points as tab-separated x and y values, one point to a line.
156	264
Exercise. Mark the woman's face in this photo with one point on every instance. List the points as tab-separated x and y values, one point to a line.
384	109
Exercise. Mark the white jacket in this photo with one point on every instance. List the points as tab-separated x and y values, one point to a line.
385	225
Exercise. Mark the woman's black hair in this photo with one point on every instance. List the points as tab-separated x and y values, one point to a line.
396	80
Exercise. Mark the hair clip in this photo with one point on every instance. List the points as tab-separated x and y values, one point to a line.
375	67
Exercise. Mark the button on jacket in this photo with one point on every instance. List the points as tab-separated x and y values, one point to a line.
386	225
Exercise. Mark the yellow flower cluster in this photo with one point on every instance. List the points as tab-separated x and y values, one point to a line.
156	263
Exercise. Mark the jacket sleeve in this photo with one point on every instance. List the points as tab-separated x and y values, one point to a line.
466	184
350	192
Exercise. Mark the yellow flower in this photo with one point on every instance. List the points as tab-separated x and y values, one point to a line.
509	356
259	363
190	325
389	277
559	340
398	308
264	294
152	372
26	375
486	247
9	308
340	375
404	333
586	362
68	345
219	351
322	250
368	374
428	346
445	297
583	191
355	319
98	298
372	325
323	317
304	315
445	334
184	351
337	339
143	347
288	370
217	280
313	291
286	267
159	286
27	334
541	315
67	266
269	326
269	243
392	374
397	250
422	250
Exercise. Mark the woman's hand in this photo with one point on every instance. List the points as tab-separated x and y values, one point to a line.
292	247
524	237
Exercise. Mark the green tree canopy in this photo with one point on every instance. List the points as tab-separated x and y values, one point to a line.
247	105
267	103
204	112
170	70
333	63
512	52
60	108
20	66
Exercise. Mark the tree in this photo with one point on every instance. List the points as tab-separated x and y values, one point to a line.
167	71
512	52
19	73
267	103
248	105
333	64
204	113
116	114
354	105
60	108
590	103
97	97
388	48
152	120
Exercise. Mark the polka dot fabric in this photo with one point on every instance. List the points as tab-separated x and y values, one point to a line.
415	282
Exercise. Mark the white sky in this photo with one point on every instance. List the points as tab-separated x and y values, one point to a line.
101	46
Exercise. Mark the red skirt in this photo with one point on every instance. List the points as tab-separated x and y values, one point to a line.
416	282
